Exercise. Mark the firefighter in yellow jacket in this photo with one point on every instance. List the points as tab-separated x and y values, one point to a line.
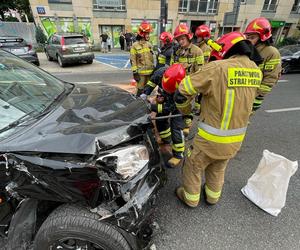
203	34
141	57
258	32
190	56
229	87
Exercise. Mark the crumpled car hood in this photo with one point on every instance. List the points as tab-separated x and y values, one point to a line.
89	118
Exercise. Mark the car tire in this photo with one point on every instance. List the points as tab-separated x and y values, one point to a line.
285	68
90	61
48	57
37	63
69	224
60	61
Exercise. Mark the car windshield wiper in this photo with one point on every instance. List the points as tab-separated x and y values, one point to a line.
56	99
18	122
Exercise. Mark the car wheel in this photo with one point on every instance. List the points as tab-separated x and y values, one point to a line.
285	68
60	61
75	227
37	63
90	61
48	57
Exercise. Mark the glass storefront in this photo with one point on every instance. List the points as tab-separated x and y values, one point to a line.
113	31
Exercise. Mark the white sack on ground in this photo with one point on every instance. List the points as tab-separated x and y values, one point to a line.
267	187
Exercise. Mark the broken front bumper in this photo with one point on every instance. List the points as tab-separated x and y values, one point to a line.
134	218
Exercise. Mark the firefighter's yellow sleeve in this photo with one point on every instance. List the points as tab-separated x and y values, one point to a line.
199	60
198	82
271	72
133	59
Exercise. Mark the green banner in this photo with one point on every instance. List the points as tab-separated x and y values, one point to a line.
49	25
277	24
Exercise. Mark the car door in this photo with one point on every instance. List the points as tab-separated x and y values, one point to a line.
49	48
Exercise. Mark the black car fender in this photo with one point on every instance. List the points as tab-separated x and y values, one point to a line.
22	226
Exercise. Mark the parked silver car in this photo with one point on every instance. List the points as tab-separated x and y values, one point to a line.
69	48
19	47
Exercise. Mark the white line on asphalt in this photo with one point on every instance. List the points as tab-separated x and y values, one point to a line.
126	64
111	59
282	110
283	80
89	82
109	65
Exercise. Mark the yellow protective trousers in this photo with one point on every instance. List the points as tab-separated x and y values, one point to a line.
196	165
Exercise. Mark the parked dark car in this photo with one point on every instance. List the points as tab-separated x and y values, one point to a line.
69	48
79	165
19	47
290	58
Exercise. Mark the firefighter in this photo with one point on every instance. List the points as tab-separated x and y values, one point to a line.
203	34
229	87
164	57
170	131
258	32
141	57
190	56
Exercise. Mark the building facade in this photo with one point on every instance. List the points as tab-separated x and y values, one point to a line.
94	17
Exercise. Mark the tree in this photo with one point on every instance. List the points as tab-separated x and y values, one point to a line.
22	6
40	36
5	6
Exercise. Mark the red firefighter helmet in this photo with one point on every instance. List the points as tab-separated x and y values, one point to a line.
203	31
172	78
166	37
183	29
260	26
144	28
226	42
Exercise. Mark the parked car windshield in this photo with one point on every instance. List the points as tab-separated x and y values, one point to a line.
25	91
74	40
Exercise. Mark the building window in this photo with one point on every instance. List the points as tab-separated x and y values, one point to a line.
183	5
270	6
109	5
198	6
296	7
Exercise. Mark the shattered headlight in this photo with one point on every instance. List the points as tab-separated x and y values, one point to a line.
130	160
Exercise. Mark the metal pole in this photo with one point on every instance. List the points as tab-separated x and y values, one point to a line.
162	15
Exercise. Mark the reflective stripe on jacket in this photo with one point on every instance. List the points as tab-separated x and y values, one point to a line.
191	58
206	51
141	58
271	68
228	88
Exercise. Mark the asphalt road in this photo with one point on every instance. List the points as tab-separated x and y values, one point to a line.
107	77
235	222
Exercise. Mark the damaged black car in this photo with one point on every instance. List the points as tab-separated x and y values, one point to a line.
79	164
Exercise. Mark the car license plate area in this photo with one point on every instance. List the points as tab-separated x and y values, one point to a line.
79	49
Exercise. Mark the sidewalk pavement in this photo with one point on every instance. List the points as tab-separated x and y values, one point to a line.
53	67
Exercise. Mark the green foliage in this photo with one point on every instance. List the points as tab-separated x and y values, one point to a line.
40	36
22	6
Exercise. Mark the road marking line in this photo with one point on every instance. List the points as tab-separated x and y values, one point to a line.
111	59
282	110
126	65
109	65
283	80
